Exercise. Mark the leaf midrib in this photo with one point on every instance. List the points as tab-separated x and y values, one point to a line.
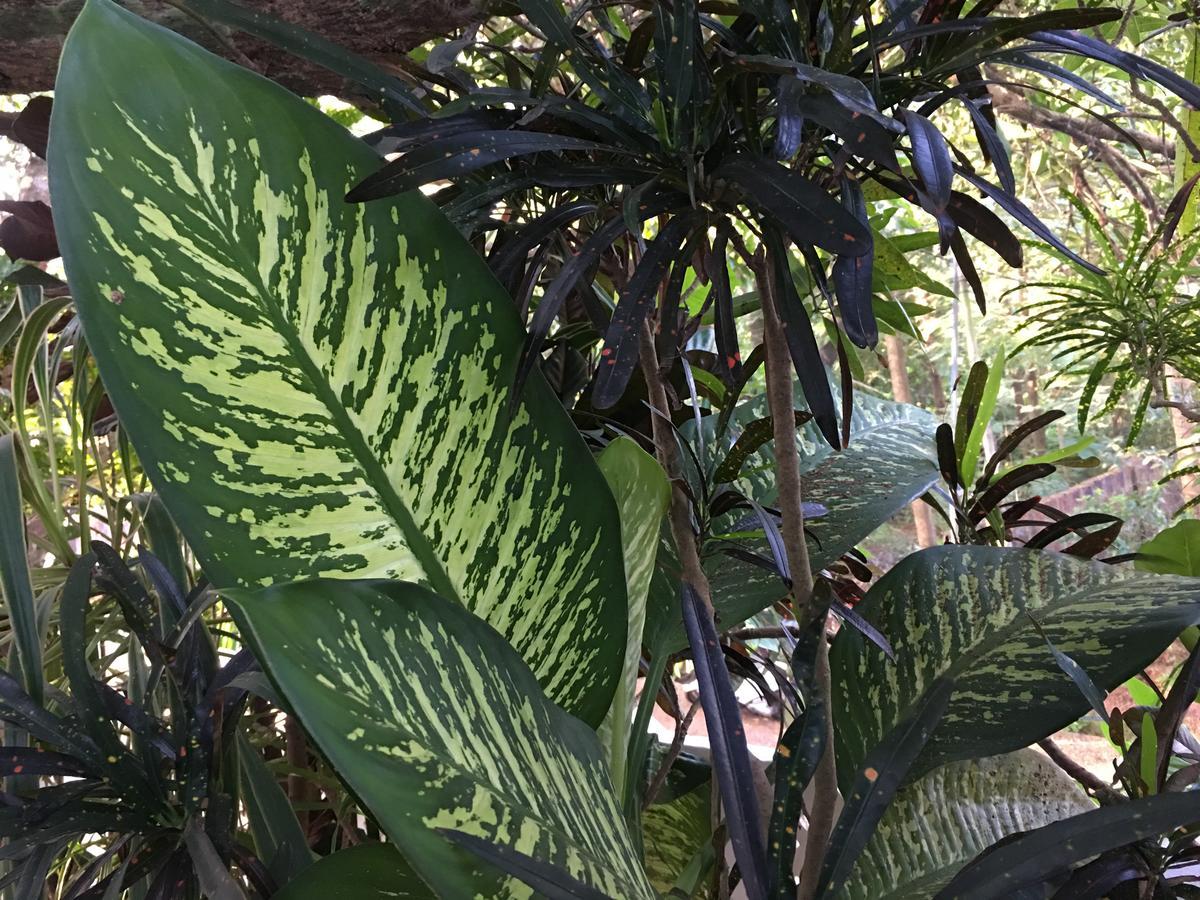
418	543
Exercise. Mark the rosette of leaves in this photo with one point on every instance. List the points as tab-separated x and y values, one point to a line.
158	764
1129	326
715	120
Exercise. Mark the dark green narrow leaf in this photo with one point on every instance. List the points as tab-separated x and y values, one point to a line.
731	759
161	535
1022	214
620	354
882	773
802	343
278	838
946	454
852	277
804	209
508	261
548	880
1003	871
717	266
14	570
455	156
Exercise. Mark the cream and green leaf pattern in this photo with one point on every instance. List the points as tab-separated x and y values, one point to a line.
318	388
435	722
938	824
973	614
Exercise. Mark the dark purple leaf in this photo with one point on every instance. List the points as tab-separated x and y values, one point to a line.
28	232
32	125
852	278
861	135
620	352
727	735
455	156
802	343
805	210
882	773
725	326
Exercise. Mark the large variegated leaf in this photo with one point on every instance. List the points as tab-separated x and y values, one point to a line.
318	388
938	824
972	613
891	460
640	487
435	722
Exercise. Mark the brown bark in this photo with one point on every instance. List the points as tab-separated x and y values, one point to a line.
32	32
897	362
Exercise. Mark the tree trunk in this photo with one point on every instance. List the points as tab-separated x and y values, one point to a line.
32	32
897	362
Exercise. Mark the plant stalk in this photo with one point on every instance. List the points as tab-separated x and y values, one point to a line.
787	478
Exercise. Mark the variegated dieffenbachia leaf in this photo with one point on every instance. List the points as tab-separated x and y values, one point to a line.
435	722
938	824
318	388
891	460
640	487
677	838
973	614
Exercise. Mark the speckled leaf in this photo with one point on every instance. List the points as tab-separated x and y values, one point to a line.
434	722
968	613
938	824
318	388
673	833
890	461
641	489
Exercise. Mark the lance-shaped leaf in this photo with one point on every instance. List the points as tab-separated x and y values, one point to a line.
435	723
317	388
938	824
964	612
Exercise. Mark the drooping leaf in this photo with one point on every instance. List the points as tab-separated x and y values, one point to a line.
28	231
931	160
300	349
1052	849
435	722
802	343
853	277
369	871
964	612
802	207
936	825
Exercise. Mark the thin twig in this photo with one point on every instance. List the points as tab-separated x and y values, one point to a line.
1104	793
660	777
